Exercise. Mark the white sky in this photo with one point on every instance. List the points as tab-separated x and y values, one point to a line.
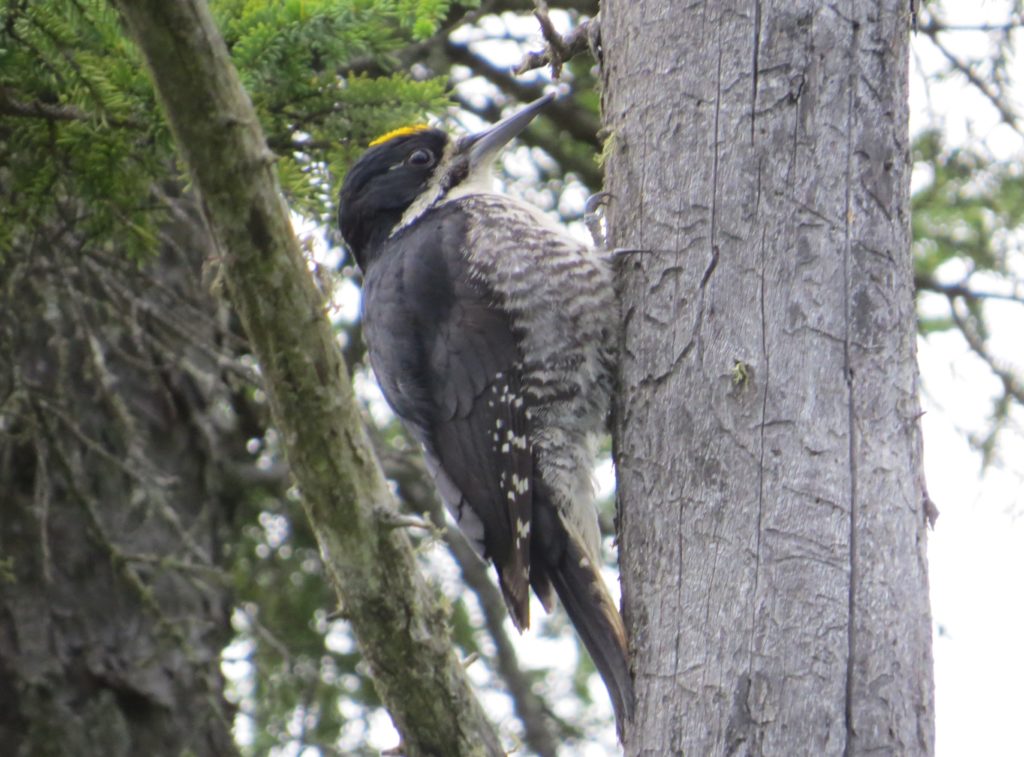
976	552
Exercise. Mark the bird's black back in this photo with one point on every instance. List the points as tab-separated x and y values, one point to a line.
447	361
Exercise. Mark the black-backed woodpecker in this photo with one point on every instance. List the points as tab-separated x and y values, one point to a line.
492	335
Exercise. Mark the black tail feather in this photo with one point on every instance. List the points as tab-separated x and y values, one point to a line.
590	607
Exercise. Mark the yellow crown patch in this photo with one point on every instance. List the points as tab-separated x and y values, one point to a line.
402	132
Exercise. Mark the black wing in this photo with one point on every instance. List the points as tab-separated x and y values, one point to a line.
447	361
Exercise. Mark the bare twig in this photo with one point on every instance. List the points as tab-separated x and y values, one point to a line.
581	126
1012	386
929	284
983	85
933	26
11	106
559	49
36	109
42	497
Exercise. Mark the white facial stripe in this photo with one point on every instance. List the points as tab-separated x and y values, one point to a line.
430	195
479	181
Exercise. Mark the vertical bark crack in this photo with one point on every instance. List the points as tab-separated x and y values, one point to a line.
754	64
851	628
700	312
714	166
760	480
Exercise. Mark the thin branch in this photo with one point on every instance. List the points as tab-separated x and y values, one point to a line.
982	85
934	26
559	49
1012	386
36	109
929	284
42	497
580	126
567	118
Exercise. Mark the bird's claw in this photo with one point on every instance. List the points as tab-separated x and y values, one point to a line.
594	218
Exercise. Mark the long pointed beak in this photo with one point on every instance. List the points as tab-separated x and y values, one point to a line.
484	146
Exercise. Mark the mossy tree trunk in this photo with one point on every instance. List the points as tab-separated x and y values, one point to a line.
399	621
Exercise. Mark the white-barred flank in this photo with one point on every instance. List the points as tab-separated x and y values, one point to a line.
567	376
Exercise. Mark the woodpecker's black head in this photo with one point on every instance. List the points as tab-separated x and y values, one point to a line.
384	182
408	171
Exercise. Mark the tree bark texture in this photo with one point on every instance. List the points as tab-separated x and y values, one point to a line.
399	621
769	454
117	440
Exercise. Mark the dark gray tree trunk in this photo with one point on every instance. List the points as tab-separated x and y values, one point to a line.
116	443
773	509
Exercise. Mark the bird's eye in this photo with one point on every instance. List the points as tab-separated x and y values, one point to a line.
421	159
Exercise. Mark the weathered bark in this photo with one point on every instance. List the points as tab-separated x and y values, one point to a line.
115	447
398	620
768	447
